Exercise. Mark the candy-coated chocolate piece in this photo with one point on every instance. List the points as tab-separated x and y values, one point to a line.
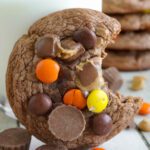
86	37
145	109
66	123
76	98
102	124
45	47
97	101
47	71
97	148
40	104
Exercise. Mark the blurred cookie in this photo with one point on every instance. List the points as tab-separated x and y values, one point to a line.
125	6
127	60
134	22
132	41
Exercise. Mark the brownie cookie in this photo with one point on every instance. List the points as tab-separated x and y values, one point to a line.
134	22
55	84
132	41
128	60
125	6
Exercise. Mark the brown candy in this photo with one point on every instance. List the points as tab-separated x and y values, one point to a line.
45	47
15	139
113	78
66	73
52	147
102	124
66	123
40	104
86	37
87	74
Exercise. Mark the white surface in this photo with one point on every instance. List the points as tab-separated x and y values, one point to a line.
17	15
144	93
126	140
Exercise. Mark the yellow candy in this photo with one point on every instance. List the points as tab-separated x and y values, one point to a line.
97	101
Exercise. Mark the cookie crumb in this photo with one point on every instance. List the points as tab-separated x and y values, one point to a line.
137	83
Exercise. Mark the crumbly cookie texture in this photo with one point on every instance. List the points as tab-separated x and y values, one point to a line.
140	41
127	60
134	22
126	6
70	55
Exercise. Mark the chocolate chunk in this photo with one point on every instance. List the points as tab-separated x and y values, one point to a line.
15	139
102	124
86	37
45	47
52	147
65	85
56	96
66	123
40	104
113	78
68	50
87	74
66	73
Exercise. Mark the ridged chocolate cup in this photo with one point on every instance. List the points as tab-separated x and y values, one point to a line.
15	139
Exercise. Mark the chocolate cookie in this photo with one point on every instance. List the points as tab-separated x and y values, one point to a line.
132	41
128	60
134	22
125	6
44	78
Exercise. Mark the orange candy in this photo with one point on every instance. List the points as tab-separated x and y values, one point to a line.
98	149
145	109
47	70
75	97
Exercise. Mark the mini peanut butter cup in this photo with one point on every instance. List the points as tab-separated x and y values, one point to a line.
66	123
15	139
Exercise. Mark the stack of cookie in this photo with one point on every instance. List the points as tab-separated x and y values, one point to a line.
131	50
